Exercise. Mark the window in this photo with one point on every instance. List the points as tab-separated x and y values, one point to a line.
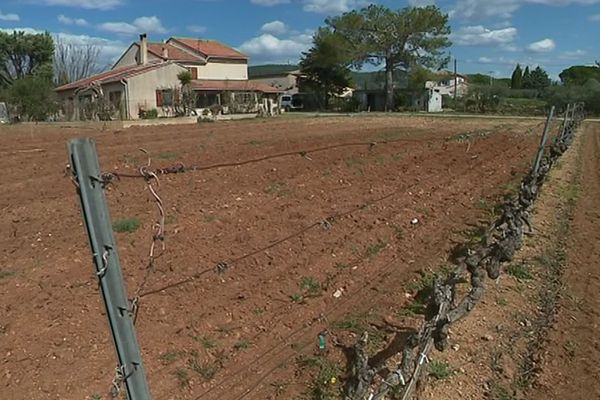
164	97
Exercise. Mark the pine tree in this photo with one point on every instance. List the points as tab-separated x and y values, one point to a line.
516	81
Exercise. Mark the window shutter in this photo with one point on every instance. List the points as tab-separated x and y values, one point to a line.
159	98
194	72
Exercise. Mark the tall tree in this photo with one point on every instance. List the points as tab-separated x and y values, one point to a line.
539	79
325	66
579	74
73	62
396	38
516	81
23	54
526	78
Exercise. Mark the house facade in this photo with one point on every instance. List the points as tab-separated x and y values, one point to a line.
283	77
448	85
144	82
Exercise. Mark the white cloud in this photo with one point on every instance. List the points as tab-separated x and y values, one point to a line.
485	60
89	4
72	21
421	3
274	27
543	46
595	17
332	6
197	28
478	9
269	48
8	17
573	55
269	3
139	25
479	35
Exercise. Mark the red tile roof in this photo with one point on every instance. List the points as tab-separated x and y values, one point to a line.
173	53
232	85
113	75
210	48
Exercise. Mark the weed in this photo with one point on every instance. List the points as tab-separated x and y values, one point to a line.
501	301
96	396
325	385
353	323
278	189
205	370
570	348
256	142
167	155
297	298
439	369
7	274
374	249
519	271
182	377
170	357
415	307
259	311
128	225
398	232
498	392
241	345
341	266
206	341
311	286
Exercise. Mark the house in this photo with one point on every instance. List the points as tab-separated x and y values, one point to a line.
281	76
144	82
429	101
447	82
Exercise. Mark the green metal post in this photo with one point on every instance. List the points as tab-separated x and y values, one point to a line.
538	158
86	170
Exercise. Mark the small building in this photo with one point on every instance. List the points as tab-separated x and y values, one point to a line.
446	84
429	101
280	76
144	83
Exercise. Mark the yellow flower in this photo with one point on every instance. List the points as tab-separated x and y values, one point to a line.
333	380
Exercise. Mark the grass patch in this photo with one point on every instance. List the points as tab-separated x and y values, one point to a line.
341	266
7	274
206	341
297	298
167	155
182	377
127	225
170	357
204	369
439	369
374	249
241	345
357	323
519	271
325	385
310	286
398	232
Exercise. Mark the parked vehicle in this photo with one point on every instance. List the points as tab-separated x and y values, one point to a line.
290	102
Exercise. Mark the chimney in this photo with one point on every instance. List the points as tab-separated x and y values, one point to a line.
165	53
143	58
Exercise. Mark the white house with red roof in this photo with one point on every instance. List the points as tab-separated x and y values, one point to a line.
145	79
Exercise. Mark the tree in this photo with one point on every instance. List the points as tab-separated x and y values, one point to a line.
516	81
325	66
32	97
538	79
23	54
396	38
418	76
526	78
73	62
579	74
187	94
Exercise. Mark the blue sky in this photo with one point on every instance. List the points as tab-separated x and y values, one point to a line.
489	36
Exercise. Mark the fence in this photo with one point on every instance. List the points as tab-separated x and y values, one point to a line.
500	244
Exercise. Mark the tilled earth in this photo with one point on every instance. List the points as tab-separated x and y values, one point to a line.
397	194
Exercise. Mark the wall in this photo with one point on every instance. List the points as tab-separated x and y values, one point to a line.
142	88
129	57
223	71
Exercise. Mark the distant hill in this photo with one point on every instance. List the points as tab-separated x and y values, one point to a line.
484	80
259	71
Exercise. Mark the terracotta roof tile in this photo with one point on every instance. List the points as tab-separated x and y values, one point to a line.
232	85
174	53
113	75
211	48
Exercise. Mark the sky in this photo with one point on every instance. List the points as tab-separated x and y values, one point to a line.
489	36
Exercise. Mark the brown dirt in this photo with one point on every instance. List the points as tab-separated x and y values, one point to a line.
55	342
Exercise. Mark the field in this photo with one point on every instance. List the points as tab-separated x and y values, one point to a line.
365	207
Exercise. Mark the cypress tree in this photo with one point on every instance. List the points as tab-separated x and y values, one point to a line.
516	81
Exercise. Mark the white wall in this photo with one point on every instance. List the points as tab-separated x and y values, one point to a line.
142	88
222	70
129	57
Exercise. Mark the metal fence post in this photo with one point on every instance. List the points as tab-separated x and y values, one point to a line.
86	170
538	158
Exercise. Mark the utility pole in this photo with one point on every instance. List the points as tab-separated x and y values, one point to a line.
88	179
455	78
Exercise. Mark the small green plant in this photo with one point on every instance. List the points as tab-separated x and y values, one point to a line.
7	274
326	382
128	225
206	341
497	392
167	155
169	357
310	286
398	232
258	311
297	298
501	301
205	370
439	369
96	396
278	189
356	323
241	345
519	271
341	266
374	249
182	377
